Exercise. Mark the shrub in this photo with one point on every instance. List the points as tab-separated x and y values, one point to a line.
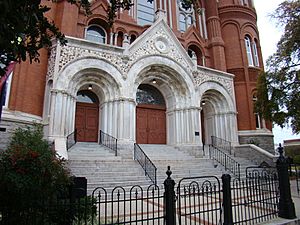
31	176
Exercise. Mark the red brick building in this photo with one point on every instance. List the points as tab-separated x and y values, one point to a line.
160	74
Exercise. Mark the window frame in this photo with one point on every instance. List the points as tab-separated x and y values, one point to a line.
96	25
248	46
141	21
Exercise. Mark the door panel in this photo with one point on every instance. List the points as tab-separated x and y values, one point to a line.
151	126
80	122
142	124
87	122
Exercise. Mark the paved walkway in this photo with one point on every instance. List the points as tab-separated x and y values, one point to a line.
296	200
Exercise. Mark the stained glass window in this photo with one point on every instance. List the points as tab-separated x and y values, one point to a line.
148	94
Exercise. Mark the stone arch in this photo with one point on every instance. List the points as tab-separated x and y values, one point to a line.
177	88
78	75
218	114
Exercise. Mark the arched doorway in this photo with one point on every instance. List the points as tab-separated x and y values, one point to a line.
150	116
87	116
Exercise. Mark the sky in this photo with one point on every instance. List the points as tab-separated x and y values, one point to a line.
269	35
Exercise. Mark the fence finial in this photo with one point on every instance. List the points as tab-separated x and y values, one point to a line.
169	172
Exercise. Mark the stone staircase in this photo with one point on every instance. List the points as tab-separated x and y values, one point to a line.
102	168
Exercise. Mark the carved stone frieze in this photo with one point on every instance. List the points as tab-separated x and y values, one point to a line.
70	53
201	77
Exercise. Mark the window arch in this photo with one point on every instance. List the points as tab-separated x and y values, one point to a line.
251	50
185	18
145	12
257	117
147	94
96	33
87	96
196	51
255	53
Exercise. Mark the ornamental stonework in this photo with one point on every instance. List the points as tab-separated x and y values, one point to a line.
70	53
201	77
51	63
160	44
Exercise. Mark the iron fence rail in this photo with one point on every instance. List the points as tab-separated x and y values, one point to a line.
255	199
199	200
136	206
294	173
109	141
71	139
221	144
147	165
225	160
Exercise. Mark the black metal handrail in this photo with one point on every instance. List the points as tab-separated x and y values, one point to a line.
71	139
109	141
148	166
221	144
225	160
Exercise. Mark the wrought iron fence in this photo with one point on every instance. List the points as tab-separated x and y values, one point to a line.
136	206
255	199
294	173
71	139
225	160
221	144
109	141
199	200
147	165
259	197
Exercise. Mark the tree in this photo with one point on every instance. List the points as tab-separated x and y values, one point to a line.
24	28
279	87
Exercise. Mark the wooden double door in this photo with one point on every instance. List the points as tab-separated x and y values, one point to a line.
150	125
87	122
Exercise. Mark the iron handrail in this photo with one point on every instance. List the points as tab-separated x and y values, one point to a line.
109	141
221	144
225	160
71	139
147	165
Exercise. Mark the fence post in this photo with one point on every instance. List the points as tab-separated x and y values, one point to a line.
286	205
227	203
169	199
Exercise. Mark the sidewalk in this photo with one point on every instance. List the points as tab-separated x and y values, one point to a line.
296	200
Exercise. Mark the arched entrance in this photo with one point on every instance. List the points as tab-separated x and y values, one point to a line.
87	116
150	116
216	117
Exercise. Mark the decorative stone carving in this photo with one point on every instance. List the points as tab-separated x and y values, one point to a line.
51	63
71	52
160	43
200	77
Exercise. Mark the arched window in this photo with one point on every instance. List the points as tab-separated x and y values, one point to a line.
96	33
249	50
132	38
186	17
87	96
147	94
194	50
182	24
252	53
257	117
255	53
145	12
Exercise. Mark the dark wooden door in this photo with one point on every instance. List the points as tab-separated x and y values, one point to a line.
150	125
87	122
